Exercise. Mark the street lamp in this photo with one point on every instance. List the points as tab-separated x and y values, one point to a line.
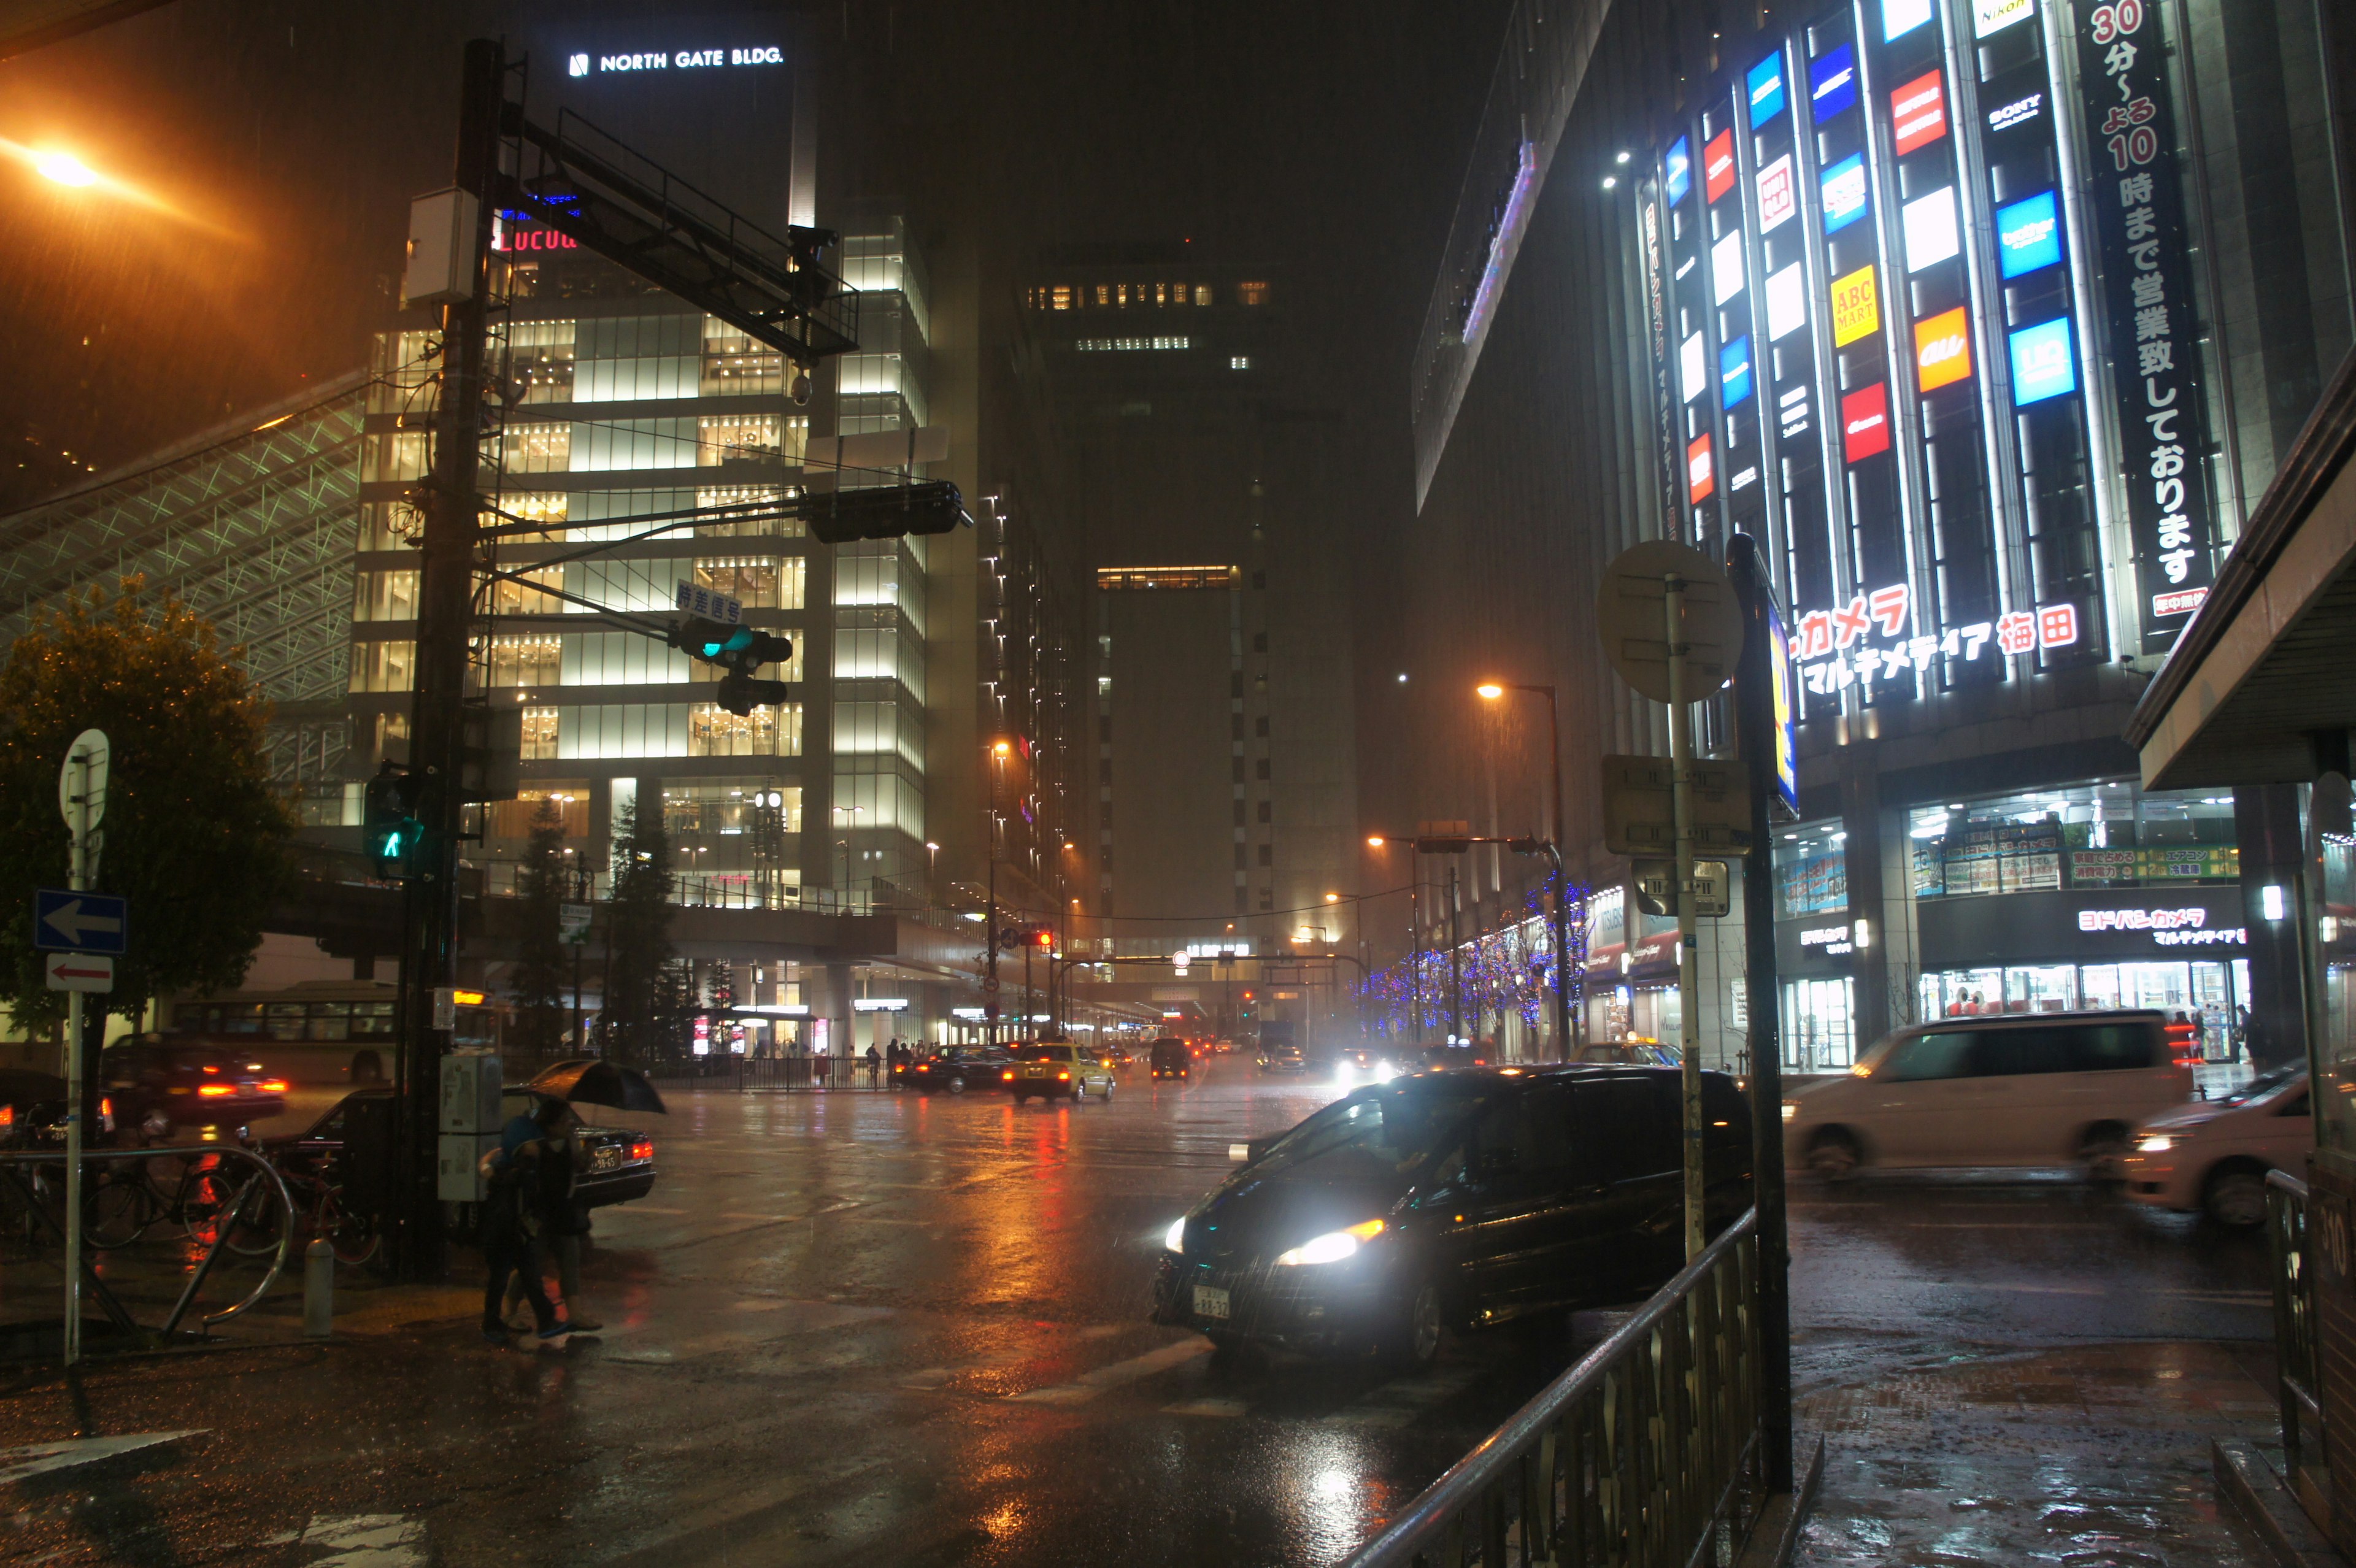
999	751
1491	691
64	168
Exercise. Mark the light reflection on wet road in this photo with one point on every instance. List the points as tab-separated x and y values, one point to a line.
887	1328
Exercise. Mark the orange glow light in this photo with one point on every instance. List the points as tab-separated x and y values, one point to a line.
1490	689
64	168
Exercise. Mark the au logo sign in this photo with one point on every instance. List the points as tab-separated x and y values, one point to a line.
1942	349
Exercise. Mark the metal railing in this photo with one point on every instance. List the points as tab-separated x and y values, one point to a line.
19	1169
1646	1455
2297	1355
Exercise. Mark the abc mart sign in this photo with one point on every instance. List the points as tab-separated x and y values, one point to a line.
674	59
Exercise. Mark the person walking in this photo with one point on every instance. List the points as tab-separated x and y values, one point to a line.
564	1217
875	1062
510	1216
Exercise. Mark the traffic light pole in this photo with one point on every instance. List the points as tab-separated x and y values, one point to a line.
445	618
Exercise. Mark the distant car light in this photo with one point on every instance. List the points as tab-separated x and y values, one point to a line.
272	1085
2157	1143
1062	1078
1008	1075
214	1091
1332	1247
1174	1239
1790	1109
1344	1072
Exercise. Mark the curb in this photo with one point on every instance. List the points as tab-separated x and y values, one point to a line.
1777	1534
2248	1481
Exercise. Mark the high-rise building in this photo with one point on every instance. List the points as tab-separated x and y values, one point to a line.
1220	714
1987	322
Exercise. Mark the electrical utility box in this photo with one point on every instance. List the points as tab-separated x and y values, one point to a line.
442	233
471	1082
457	1176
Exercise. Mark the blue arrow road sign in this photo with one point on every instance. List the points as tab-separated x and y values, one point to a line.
78	923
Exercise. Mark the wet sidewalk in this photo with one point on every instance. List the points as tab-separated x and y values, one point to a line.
2094	1456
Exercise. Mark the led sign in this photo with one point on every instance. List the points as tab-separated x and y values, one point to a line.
504	239
2181	602
1942	349
1995	16
1918	112
1931	233
1845	193
1822	640
1734	373
1832	83
1865	422
1899	17
1787	303
1856	307
674	60
1766	84
879	1003
2027	235
1718	166
2004	117
1725	278
1699	480
1776	201
1689	367
1678	166
2042	364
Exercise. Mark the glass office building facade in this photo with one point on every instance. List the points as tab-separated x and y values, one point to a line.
626	409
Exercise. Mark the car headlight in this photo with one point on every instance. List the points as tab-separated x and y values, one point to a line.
1385	1072
1174	1240
1344	1072
2157	1143
1332	1247
1790	1109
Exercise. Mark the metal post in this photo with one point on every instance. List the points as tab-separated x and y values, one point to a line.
73	1155
1561	890
1755	735
989	941
1455	961
445	616
1688	1022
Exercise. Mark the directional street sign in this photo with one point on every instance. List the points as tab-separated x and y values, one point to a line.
78	923
1656	888
70	971
1633	619
1639	815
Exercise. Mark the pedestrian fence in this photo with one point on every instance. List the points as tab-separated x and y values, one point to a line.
214	1204
734	1073
1647	1454
2296	1356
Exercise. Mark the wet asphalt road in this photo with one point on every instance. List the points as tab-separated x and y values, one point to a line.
883	1328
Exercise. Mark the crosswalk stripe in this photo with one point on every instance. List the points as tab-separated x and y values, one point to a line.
1090	1384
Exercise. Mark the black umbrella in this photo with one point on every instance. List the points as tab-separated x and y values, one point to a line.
594	1081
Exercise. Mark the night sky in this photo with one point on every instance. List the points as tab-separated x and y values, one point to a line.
281	142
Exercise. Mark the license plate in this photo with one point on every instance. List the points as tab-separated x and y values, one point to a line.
1210	1301
605	1159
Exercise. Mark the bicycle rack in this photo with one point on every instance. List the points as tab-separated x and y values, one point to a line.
15	1163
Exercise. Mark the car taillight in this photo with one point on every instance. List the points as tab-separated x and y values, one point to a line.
272	1085
213	1091
643	1149
1066	1076
7	1116
1008	1075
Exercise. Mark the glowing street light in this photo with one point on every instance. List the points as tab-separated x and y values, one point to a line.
64	168
1490	689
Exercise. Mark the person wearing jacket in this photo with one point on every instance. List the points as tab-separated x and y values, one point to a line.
563	1218
510	1222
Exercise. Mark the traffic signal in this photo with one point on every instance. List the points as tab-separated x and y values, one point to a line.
885	512
740	650
391	830
1043	937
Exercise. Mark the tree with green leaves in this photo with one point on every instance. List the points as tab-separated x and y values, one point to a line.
638	988
195	837
537	984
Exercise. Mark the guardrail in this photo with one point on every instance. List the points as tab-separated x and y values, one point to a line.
18	1169
2297	1355
1646	1455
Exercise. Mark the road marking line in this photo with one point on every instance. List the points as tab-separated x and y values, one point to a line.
1216	1407
1090	1384
41	1458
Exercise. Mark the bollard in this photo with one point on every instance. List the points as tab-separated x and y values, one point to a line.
318	1289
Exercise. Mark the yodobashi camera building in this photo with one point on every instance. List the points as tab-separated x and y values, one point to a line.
1988	320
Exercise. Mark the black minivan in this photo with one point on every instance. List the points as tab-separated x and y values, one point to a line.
1451	1200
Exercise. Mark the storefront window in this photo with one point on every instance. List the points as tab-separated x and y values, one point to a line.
1811	871
1819	1025
2095	836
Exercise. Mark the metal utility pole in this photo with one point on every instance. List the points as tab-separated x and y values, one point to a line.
81	796
989	947
445	618
1673	590
1455	962
1561	912
1763	708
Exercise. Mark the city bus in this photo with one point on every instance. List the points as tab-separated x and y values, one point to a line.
321	1032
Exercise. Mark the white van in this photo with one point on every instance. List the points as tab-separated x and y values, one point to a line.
2030	1089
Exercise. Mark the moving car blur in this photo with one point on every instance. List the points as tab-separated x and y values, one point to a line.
159	1088
1448	1202
2215	1155
1171	1058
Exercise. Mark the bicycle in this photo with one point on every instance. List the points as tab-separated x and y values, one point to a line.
126	1198
352	1236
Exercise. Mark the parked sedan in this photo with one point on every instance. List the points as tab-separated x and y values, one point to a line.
2215	1155
612	1165
1447	1201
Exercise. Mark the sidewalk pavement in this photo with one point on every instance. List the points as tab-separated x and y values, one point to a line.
2095	1456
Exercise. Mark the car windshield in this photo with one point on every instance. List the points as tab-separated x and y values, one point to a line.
2264	1084
1375	1133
